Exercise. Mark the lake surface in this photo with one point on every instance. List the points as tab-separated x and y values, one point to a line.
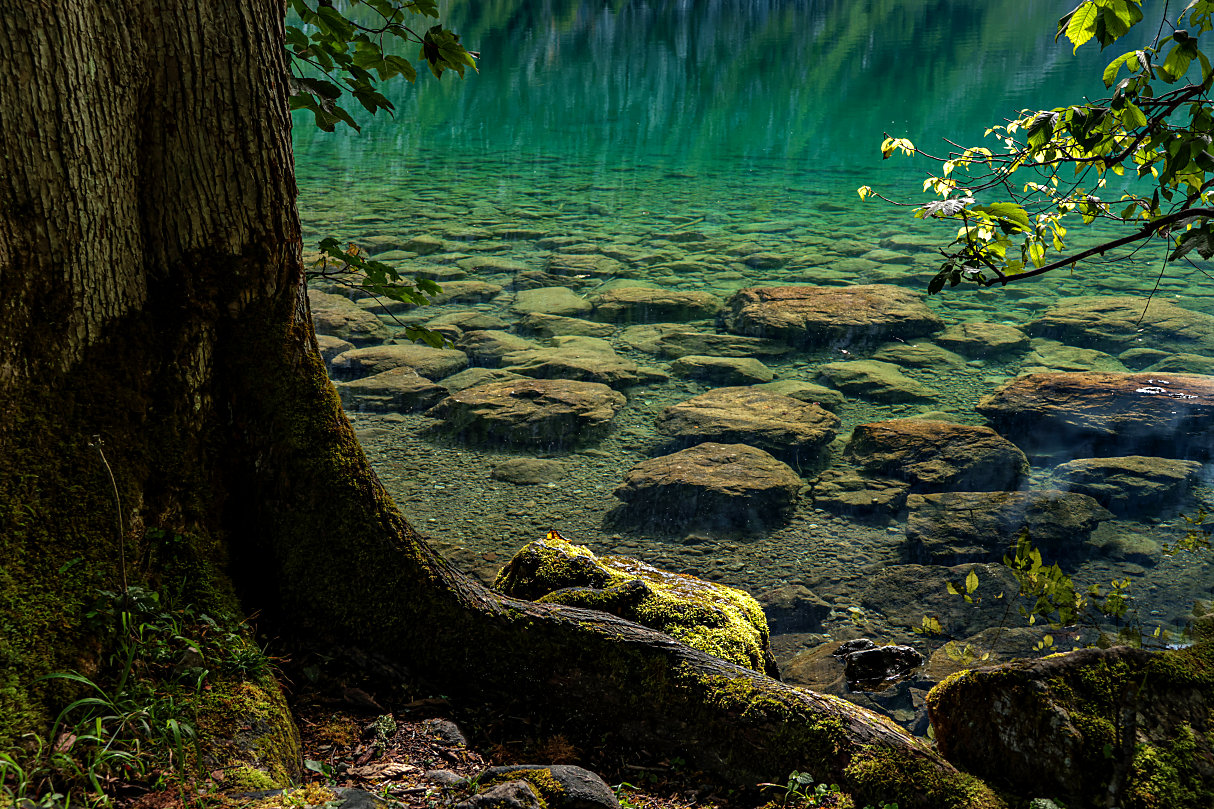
615	129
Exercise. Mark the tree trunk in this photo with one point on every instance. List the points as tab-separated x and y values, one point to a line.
152	295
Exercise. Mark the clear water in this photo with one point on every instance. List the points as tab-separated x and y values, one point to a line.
749	121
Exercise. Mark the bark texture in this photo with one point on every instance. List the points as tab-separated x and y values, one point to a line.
151	294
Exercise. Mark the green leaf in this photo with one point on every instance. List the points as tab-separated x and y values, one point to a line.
1008	212
971	581
1082	24
1110	72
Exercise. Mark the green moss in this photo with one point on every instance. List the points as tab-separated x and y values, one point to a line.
249	779
722	621
880	775
247	726
1170	777
545	784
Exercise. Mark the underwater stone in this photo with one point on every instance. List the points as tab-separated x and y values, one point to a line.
904	594
876	381
400	390
530	471
647	305
709	485
486	347
1087	415
1129	486
722	370
432	363
550	301
331	346
1050	355
1118	323
983	339
560	326
588	359
955	527
820	395
745	415
936	456
340	317
532	412
830	316
846	492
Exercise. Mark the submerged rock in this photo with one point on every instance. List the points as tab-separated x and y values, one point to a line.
980	340
955	527
530	471
713	618
824	397
722	370
1093	728
715	485
532	412
341	317
1117	323
1129	486
937	456
876	381
830	316
647	305
873	668
676	340
400	390
847	492
1086	415
906	594
745	415
432	363
561	326
487	346
550	301
583	358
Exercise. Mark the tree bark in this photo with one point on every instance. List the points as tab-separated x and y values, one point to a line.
152	294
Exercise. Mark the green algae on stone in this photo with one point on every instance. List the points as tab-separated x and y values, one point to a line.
722	621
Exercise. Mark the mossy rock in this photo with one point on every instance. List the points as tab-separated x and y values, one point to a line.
1093	728
245	729
713	618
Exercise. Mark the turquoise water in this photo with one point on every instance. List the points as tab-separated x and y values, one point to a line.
750	124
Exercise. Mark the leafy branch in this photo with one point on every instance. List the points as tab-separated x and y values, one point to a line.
332	55
1014	204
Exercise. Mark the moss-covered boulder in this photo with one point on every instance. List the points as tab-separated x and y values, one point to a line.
1094	728
713	618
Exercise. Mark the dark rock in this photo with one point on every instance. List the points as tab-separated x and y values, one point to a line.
1087	415
532	412
713	618
445	732
1129	486
906	594
935	456
857	645
876	668
562	786
351	798
830	316
956	527
504	795
709	485
745	415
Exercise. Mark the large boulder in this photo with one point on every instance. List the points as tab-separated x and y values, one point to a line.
1118	323
849	493
589	359
710	485
713	618
341	317
955	527
906	594
876	381
1086	415
1092	728
532	412
865	314
745	415
647	305
1129	486
432	363
981	339
935	456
